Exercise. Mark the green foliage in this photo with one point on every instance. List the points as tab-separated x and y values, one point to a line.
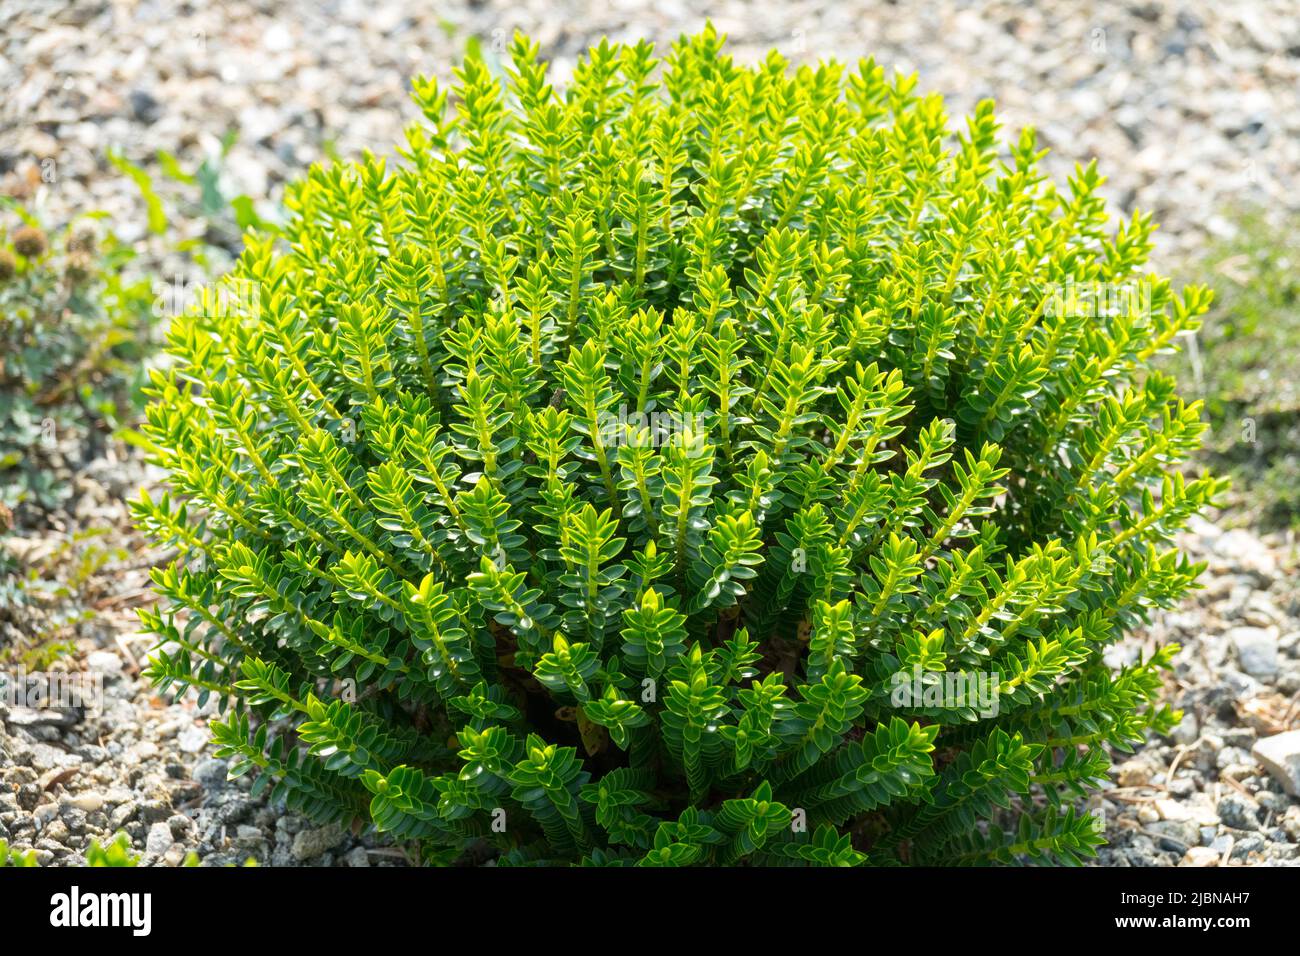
12	858
42	603
73	333
580	489
117	853
200	193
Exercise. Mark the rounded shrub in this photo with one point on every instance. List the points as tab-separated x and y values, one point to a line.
708	464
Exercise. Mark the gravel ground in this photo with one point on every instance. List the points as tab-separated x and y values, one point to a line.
135	762
1224	788
1191	108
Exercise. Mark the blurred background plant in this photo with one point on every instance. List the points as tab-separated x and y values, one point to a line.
45	594
81	316
114	853
74	332
1245	362
203	194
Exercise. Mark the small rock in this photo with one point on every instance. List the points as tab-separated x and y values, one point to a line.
1287	680
104	662
193	739
1187	730
17	776
74	819
155	811
1133	773
186	791
144	106
1238	812
57	832
123	814
312	843
44	757
175	855
232	810
27	717
1231	757
139	753
1256	650
1246	846
1243	737
1200	856
92	754
1275	803
1239	686
1247	552
1176	835
159	840
1280	756
1172	810
1291	823
1261	611
29	794
211	773
357	857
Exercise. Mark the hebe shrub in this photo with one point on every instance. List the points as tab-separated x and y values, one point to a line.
629	474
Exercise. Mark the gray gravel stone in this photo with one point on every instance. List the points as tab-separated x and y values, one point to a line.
211	773
193	739
29	794
74	819
1176	835
104	662
123	814
1256	649
159	839
27	717
308	844
1280	756
1238	812
1200	856
1246	846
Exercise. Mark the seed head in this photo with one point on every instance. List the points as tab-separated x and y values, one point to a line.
30	242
